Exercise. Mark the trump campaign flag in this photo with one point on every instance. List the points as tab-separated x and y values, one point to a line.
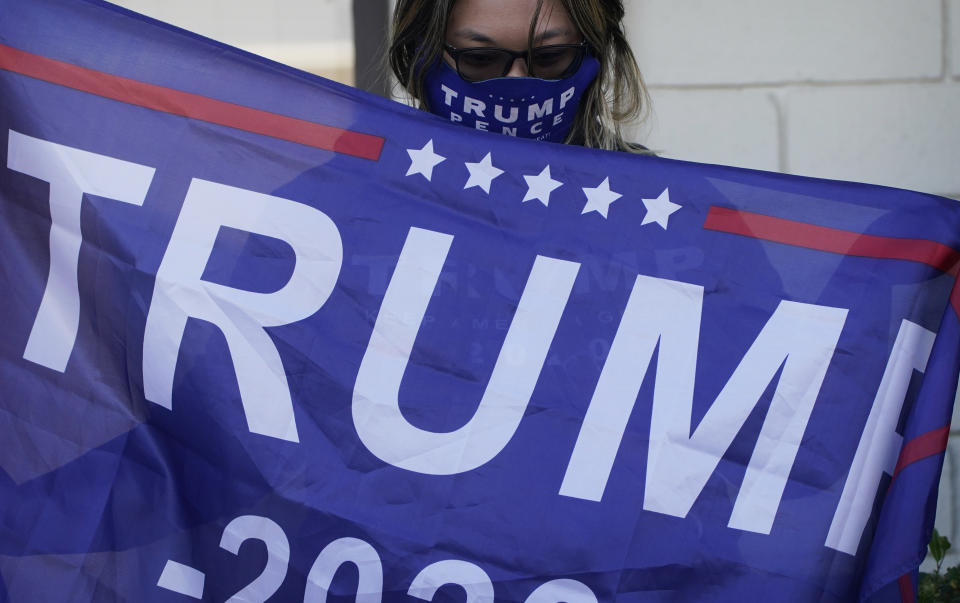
266	337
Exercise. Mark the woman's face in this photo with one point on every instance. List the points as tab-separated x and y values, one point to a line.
506	24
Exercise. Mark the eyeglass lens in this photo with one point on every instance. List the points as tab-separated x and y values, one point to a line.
546	62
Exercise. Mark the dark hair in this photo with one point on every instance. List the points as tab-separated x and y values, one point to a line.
616	97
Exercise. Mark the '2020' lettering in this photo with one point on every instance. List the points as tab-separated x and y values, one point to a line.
474	581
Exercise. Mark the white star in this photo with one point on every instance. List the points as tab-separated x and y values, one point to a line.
600	198
482	174
660	209
422	161
540	186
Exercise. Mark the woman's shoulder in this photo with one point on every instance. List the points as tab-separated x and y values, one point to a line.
632	147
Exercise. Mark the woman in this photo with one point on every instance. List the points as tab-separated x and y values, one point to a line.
557	70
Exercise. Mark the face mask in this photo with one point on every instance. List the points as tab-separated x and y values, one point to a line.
525	107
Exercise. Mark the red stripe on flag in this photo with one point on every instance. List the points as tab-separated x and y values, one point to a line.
834	240
955	296
921	447
906	588
194	106
823	238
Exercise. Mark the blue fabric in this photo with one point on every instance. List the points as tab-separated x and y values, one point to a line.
101	486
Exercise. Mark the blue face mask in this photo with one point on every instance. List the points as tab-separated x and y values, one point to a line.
525	107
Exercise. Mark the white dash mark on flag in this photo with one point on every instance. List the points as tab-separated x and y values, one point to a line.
182	579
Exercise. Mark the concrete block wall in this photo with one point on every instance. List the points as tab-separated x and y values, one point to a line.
863	90
953	8
313	35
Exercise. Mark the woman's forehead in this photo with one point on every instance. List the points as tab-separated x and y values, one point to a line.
506	23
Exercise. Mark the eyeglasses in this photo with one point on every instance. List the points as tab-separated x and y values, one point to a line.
553	62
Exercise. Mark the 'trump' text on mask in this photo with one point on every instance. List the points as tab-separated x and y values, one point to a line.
524	107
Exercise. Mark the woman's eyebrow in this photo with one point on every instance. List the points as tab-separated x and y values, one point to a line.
473	35
552	33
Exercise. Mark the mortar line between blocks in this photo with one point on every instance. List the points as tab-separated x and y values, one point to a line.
945	32
798	83
777	97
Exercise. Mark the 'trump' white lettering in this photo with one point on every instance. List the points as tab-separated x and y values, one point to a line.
376	409
535	111
798	341
448	94
880	443
70	173
472	105
181	293
498	114
799	337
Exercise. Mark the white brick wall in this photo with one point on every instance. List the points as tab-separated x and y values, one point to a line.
740	126
245	21
751	41
901	135
314	35
864	90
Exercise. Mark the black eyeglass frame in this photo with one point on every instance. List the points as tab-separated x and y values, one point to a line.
581	47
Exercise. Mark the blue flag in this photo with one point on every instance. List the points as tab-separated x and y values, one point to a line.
267	337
